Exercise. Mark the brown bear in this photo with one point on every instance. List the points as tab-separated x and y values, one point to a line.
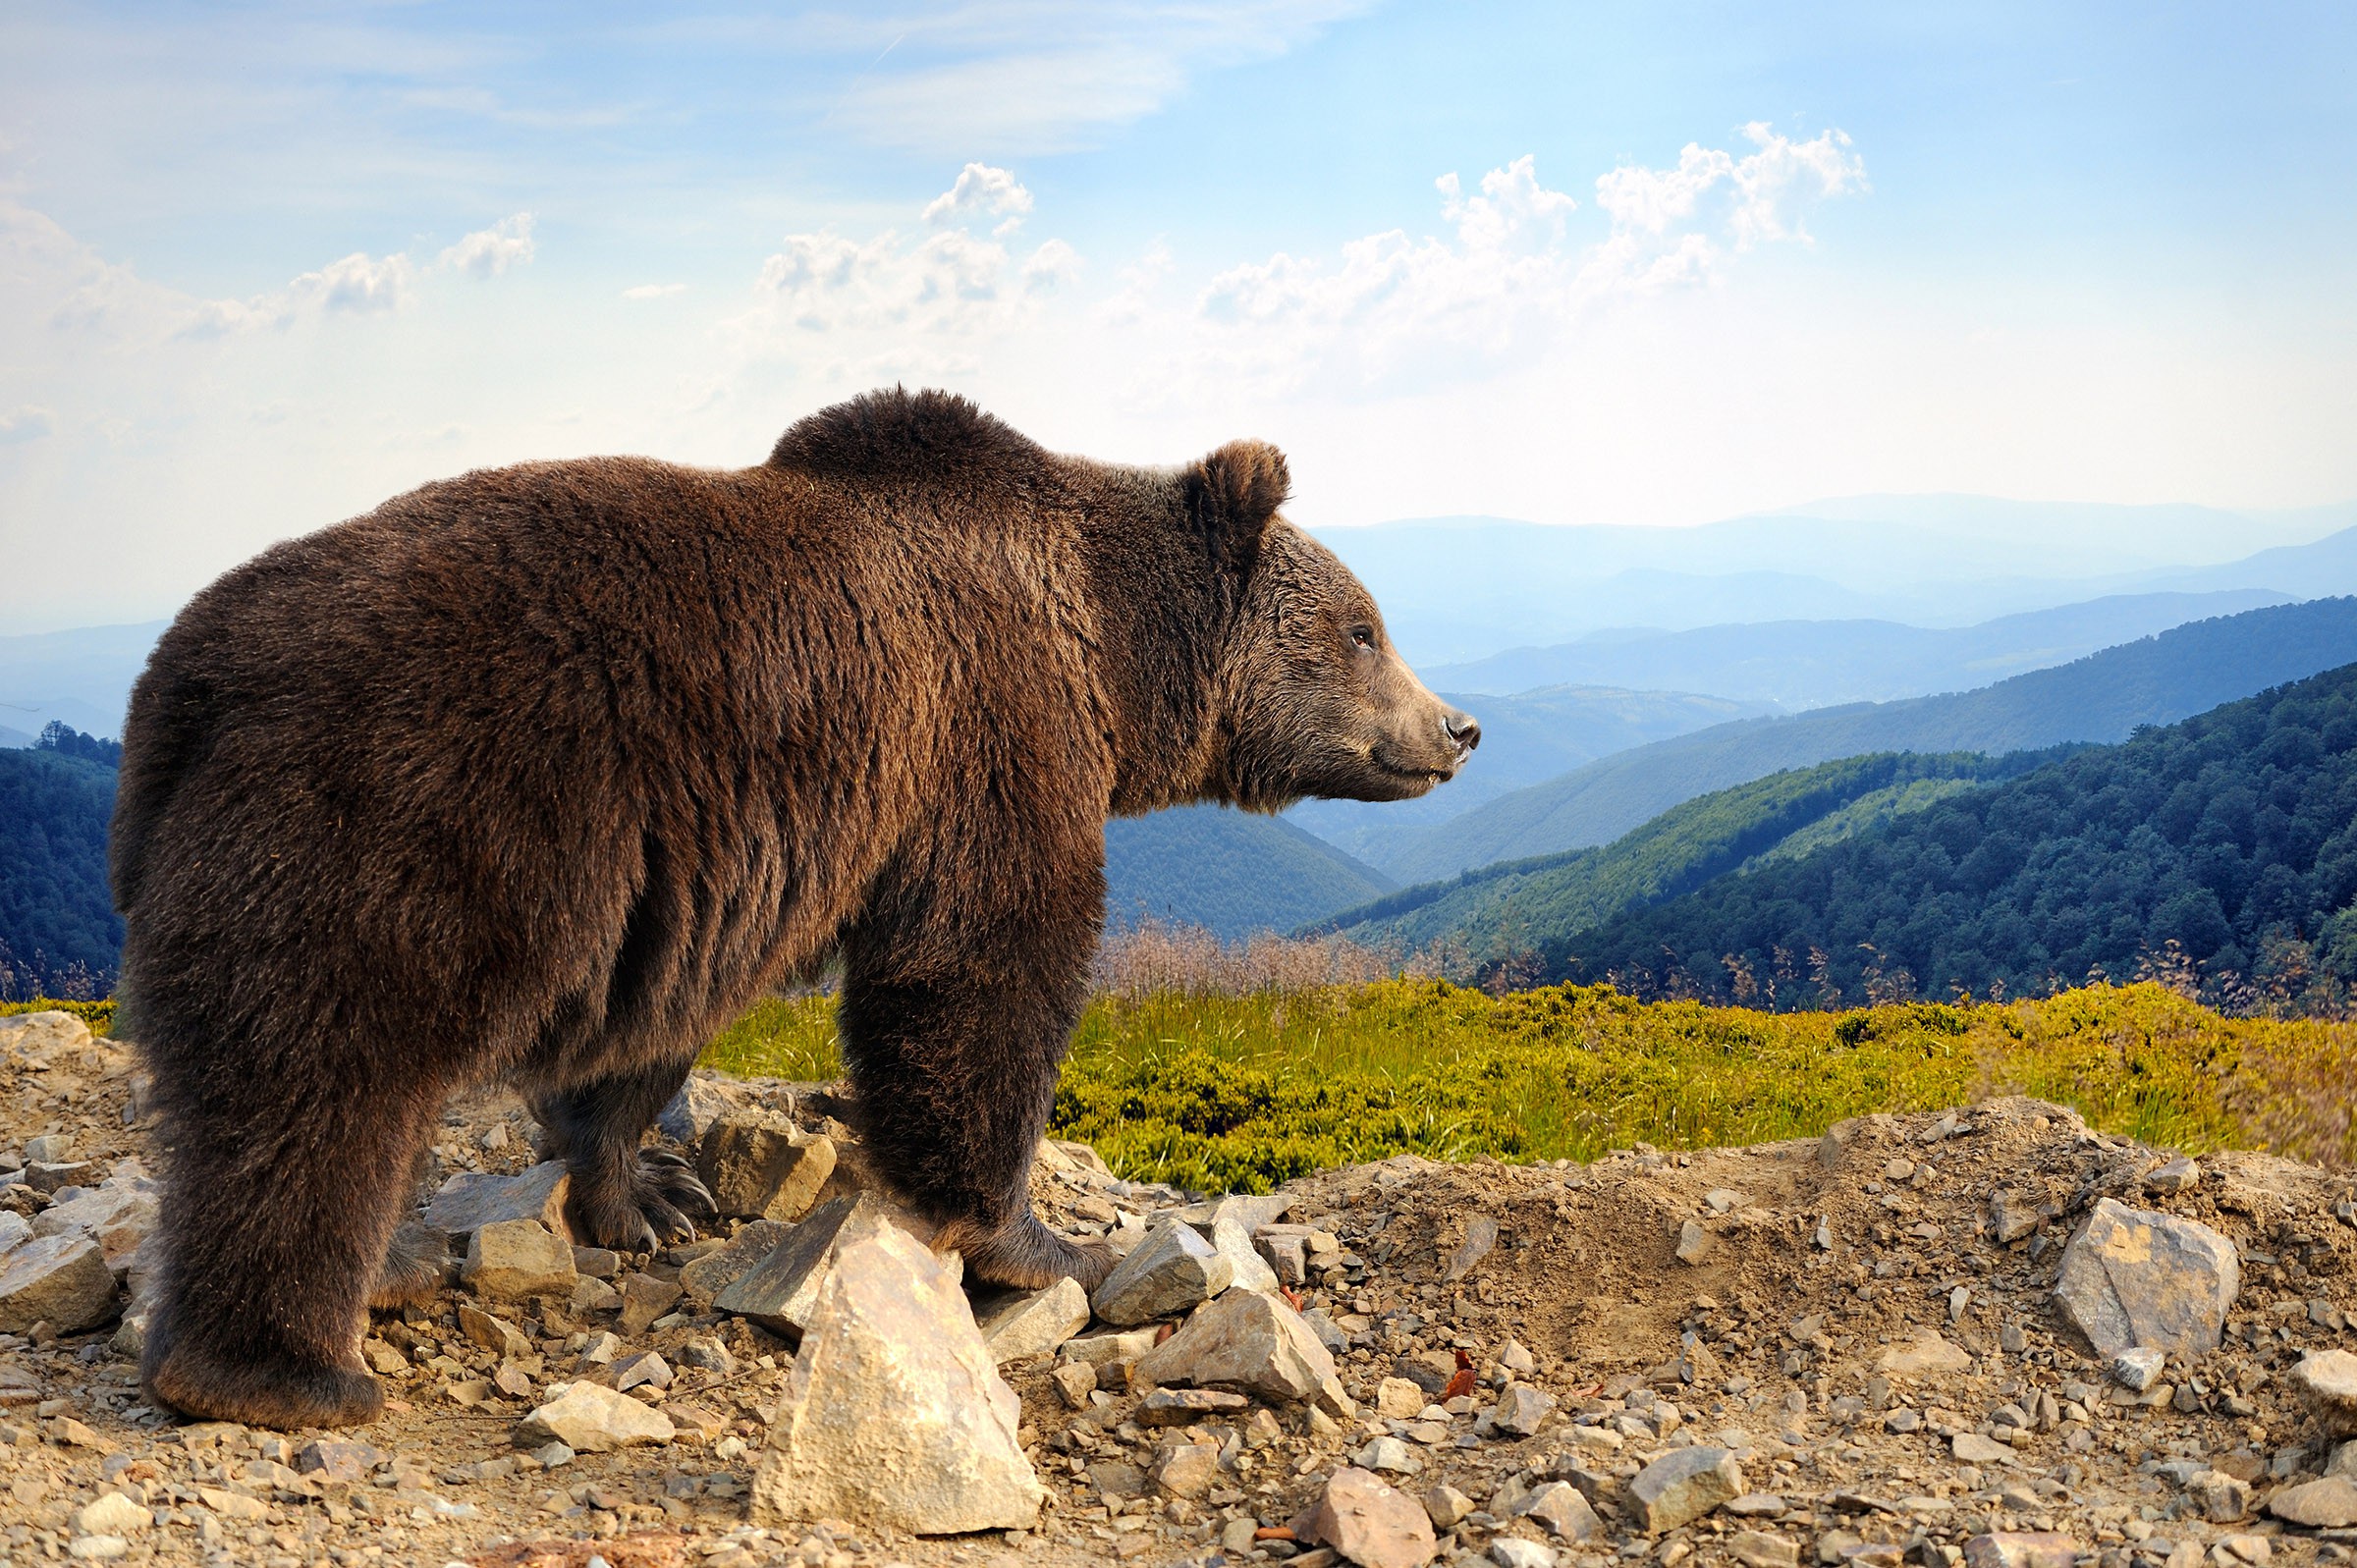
546	773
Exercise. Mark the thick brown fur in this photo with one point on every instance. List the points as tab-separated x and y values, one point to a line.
545	773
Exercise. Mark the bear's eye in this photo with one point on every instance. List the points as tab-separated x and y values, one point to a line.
1362	636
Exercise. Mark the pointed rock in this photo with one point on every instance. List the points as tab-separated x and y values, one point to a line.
590	1420
1370	1523
1172	1270
62	1280
1682	1486
1250	1342
780	1291
471	1200
894	1415
2134	1277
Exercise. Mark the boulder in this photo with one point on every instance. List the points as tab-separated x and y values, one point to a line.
590	1420
759	1164
1681	1486
2134	1277
471	1200
513	1259
1170	1271
2327	1381
780	1291
1250	1342
691	1112
894	1415
61	1281
34	1035
1032	1323
1369	1522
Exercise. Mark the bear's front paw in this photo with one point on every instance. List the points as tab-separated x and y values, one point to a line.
654	1202
1029	1255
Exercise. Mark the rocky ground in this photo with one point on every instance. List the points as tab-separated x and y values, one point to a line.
1990	1337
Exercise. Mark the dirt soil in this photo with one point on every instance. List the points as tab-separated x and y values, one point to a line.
1810	1262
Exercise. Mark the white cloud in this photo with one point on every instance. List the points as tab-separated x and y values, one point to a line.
653	290
981	190
28	423
355	285
489	252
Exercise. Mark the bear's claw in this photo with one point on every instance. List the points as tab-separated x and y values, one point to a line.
657	1202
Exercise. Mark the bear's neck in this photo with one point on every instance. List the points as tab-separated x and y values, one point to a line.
1162	624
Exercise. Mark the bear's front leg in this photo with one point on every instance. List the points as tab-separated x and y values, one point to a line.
621	1195
952	1043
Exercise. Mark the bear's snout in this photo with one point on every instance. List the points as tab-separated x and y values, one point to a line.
1463	729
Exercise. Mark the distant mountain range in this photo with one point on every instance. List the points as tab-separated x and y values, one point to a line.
2232	836
1818	664
1229	871
1520	907
2099	698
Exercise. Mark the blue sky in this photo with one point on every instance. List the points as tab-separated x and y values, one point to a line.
262	265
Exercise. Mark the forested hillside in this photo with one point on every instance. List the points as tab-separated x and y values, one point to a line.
2231	836
2099	698
1503	911
1229	871
59	934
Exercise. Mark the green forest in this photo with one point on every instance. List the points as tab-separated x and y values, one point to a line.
59	933
2218	854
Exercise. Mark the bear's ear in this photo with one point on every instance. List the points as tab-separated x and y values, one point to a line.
1232	495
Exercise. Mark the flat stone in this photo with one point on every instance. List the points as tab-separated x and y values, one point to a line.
2139	1367
1513	1551
598	1263
112	1515
1370	1523
43	1176
61	1281
1521	1410
1099	1350
1032	1323
515	1259
780	1291
2011	1548
594	1295
1250	1342
1971	1448
1389	1455
1693	1243
1255	1212
646	1369
691	1112
2175	1176
2327	1504
471	1200
759	1164
1481	1240
1561	1507
1925	1353
2327	1381
2132	1277
707	1277
1170	1271
894	1415
590	1420
644	1298
494	1334
1183	1407
1758	1549
333	1459
1682	1486
1249	1270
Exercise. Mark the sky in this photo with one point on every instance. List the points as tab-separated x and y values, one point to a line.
263	265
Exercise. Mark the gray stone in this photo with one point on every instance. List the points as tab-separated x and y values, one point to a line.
1370	1523
1693	1243
1481	1237
2327	1381
2327	1504
1390	1456
471	1200
1172	1269
112	1514
1971	1448
1287	1250
1512	1551
1521	1410
1032	1323
780	1291
759	1164
1250	1342
707	1277
2222	1498
894	1415
513	1259
1253	1212
1184	1407
646	1298
2175	1176
1682	1486
1098	1350
60	1280
2011	1548
691	1112
2139	1368
1187	1470
1248	1268
15	1231
590	1420
2133	1278
646	1369
44	1178
1565	1512
1925	1353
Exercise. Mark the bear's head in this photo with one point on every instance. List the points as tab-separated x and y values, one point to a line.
1314	700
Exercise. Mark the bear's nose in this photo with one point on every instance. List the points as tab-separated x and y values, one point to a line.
1461	727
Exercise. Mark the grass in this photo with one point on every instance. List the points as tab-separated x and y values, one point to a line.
1240	1091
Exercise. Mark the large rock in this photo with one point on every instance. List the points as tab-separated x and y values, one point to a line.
61	1281
1370	1523
757	1165
1170	1271
780	1291
1250	1342
1033	1322
894	1415
592	1420
2327	1504
2134	1277
517	1258
1247	1269
2327	1381
471	1200
117	1214
1682	1486
34	1035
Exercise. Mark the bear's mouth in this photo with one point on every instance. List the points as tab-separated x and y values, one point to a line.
1424	777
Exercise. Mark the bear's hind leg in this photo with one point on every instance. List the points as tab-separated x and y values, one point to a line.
623	1196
